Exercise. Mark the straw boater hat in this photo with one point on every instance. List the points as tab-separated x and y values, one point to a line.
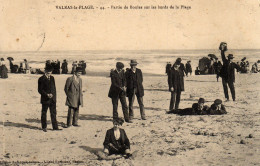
133	62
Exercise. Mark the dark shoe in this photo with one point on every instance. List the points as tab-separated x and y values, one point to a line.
76	125
45	130
67	126
143	118
57	129
129	121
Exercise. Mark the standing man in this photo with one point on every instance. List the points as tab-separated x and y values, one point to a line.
73	90
117	91
134	85
64	67
188	68
47	89
227	71
176	85
27	67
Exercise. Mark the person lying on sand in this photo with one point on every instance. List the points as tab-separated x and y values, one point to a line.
217	108
197	109
116	141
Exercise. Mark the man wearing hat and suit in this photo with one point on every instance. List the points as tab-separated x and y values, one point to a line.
217	108
176	84
188	68
117	90
64	67
134	85
227	72
73	90
47	89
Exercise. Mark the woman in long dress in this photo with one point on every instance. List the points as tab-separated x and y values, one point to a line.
3	69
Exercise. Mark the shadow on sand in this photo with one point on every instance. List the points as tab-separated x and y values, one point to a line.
161	90
19	125
91	150
151	108
39	121
92	117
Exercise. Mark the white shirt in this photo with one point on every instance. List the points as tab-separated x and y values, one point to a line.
117	134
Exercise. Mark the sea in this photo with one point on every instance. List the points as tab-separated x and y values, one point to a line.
102	61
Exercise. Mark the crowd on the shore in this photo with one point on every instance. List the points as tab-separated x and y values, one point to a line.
24	67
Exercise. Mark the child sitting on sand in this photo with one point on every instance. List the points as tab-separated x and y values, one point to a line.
116	141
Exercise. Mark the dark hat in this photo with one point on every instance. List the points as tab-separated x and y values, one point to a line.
48	68
178	60
78	69
243	59
2	59
120	65
201	100
133	62
230	56
64	60
118	120
188	61
25	60
218	101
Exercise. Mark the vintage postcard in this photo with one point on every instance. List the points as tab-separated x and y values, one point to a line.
129	82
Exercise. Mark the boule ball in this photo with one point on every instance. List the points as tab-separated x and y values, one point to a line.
250	136
242	142
213	134
206	133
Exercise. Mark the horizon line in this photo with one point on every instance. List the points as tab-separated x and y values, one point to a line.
128	50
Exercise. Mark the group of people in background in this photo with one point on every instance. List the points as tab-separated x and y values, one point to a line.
63	68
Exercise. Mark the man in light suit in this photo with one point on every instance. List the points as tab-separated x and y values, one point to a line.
73	90
47	89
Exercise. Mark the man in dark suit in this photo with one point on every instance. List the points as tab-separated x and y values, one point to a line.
176	84
188	68
117	90
227	72
64	67
134	85
47	89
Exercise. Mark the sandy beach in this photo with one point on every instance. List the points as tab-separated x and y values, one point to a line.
162	139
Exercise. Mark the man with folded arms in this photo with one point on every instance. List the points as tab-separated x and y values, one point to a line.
117	91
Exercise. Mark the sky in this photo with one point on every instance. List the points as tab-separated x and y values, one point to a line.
29	25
